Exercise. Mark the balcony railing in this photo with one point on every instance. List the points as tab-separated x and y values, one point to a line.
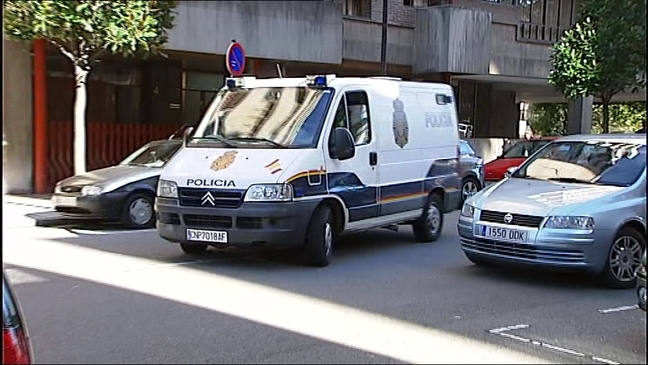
538	33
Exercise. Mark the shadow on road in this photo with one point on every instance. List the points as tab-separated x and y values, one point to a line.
95	323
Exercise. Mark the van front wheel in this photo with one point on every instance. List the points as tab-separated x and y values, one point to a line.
428	228
320	236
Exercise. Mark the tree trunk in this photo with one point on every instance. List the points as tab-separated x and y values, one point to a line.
80	103
605	103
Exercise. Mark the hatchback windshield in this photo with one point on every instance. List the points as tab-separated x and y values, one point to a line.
591	162
266	117
155	154
524	148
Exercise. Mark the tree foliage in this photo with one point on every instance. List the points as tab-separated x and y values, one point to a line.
551	119
85	30
604	53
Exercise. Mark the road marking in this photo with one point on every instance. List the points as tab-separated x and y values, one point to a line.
261	303
618	309
106	232
502	331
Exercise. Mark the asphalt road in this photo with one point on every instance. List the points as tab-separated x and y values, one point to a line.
105	295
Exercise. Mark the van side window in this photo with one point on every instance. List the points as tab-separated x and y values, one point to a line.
339	121
358	115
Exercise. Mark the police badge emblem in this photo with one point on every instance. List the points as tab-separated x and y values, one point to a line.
224	161
399	120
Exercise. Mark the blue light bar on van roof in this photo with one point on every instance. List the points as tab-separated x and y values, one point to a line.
319	80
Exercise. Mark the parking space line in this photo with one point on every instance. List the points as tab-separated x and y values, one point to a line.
618	309
502	331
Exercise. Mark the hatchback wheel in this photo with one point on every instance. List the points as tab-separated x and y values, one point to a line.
139	211
624	258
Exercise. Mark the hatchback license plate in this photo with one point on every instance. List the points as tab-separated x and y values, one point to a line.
506	234
68	201
206	236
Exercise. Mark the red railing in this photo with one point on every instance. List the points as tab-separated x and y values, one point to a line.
107	144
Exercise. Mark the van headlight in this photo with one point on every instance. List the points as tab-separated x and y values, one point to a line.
467	210
167	189
269	193
91	190
570	222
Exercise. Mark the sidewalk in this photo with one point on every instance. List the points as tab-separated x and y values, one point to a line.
28	211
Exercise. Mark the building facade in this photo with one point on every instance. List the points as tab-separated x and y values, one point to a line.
494	52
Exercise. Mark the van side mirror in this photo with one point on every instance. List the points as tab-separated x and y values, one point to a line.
342	146
510	171
186	134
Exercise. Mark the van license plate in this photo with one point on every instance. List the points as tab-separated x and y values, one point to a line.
206	236
504	234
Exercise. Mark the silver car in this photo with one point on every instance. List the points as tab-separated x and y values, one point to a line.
577	203
124	192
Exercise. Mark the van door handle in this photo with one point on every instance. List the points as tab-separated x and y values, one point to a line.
373	158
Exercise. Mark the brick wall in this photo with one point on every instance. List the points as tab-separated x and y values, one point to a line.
399	14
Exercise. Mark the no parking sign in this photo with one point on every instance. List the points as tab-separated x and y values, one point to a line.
235	59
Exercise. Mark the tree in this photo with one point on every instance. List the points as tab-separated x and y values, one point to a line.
86	30
603	54
551	119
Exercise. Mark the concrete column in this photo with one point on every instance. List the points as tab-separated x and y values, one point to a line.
579	116
17	126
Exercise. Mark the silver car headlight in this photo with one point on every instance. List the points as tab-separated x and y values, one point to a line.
467	210
269	193
91	190
570	222
167	189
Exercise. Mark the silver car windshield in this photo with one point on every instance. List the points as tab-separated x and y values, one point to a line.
267	117
592	162
153	154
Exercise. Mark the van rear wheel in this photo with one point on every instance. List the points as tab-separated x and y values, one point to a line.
428	228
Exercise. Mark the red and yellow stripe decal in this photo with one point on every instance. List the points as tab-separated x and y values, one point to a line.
306	174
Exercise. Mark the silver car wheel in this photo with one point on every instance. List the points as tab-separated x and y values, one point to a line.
625	258
328	239
140	211
434	219
469	189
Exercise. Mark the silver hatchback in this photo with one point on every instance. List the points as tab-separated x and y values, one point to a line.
577	203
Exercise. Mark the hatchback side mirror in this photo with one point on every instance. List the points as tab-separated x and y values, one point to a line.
186	134
510	171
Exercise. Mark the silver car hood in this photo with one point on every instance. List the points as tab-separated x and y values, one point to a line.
538	197
112	177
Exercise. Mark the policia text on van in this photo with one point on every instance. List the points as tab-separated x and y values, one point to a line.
298	161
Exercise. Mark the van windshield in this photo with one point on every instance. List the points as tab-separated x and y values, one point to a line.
265	117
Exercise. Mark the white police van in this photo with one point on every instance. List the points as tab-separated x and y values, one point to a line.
298	161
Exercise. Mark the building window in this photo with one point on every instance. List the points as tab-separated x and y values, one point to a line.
424	3
544	21
199	90
506	2
553	13
357	8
